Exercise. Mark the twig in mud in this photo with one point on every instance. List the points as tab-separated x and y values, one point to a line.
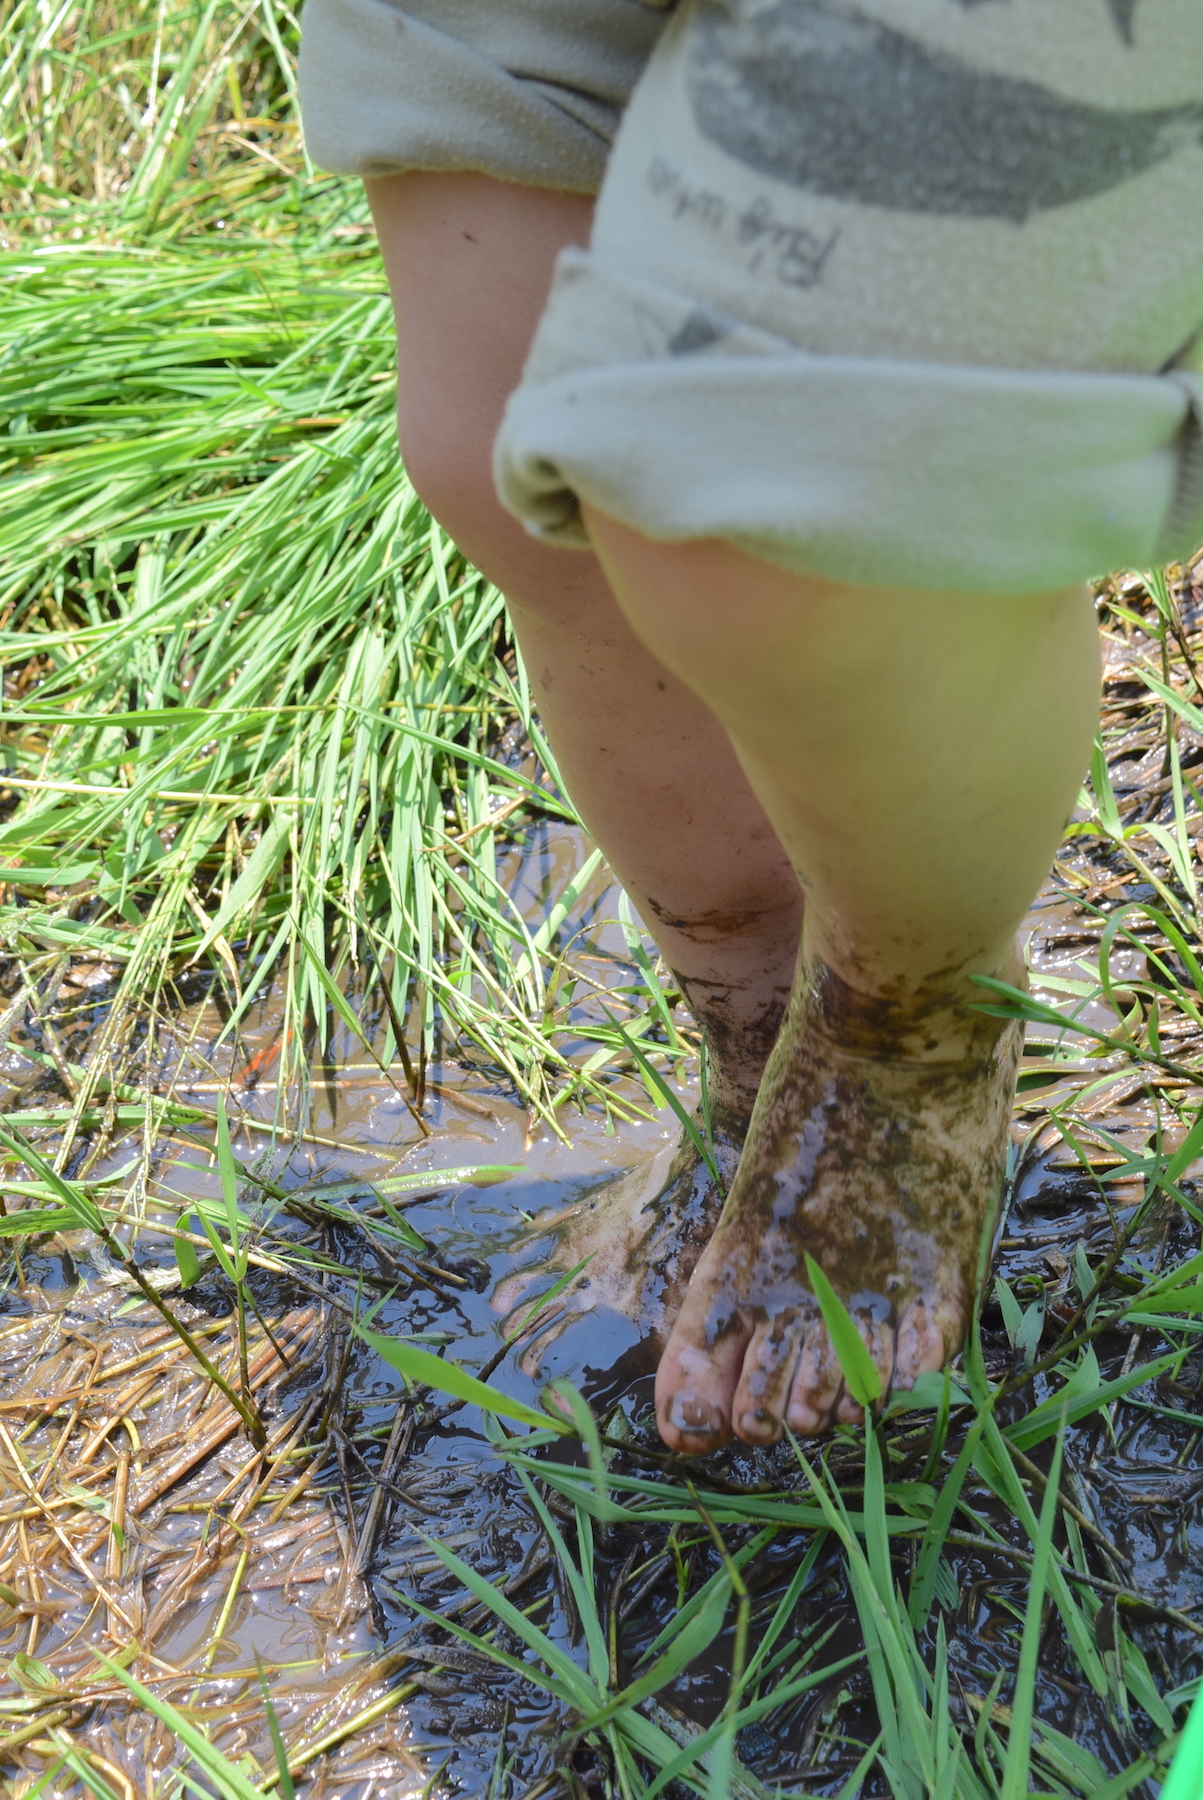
1131	1598
260	1370
398	1443
1100	1538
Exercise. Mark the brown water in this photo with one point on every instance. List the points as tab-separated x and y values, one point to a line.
336	1641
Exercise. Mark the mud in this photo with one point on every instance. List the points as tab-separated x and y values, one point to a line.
898	1026
642	1235
394	1469
884	1172
739	1042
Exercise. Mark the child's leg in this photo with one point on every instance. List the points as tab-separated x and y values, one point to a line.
918	755
860	300
469	262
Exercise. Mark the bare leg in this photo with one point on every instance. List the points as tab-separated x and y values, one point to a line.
469	262
918	755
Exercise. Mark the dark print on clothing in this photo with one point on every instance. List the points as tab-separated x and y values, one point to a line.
1122	11
835	103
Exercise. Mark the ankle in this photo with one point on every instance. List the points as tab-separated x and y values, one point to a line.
739	1039
729	1124
932	1020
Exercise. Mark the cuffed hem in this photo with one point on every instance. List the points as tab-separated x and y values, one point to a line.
895	474
530	94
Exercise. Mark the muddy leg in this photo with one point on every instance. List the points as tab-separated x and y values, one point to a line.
918	755
469	262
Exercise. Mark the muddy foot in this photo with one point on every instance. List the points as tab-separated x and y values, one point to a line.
885	1171
642	1252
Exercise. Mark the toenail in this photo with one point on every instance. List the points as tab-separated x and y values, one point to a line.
690	1414
758	1423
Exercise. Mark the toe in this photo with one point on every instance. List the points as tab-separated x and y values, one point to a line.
878	1338
817	1385
768	1370
694	1388
920	1345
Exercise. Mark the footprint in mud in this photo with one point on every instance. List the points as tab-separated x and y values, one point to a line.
642	1236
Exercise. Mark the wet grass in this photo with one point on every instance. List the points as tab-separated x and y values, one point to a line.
265	733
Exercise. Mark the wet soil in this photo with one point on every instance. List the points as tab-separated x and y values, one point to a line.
332	1575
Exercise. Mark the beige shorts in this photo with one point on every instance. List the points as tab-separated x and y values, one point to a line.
897	291
525	90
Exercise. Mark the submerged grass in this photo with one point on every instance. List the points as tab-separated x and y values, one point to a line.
262	723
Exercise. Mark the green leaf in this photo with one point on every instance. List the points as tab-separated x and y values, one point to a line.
1106	810
1185	1772
231	1783
574	1403
32	1675
656	1082
1188	1151
573	1679
1044	1419
927	1568
402	1228
264	860
41	875
85	1214
1012	1312
927	1394
331	989
860	1371
1186	1299
186	1259
1019	1743
434	1371
474	1175
542	1301
283	1771
33	1221
229	1174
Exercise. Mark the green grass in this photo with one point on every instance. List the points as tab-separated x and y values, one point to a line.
255	727
254	696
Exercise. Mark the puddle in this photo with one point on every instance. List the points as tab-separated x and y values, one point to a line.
325	1583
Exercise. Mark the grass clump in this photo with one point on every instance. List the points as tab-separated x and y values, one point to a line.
123	123
258	710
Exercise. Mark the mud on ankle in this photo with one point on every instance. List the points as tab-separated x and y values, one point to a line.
887	1169
896	1024
738	1047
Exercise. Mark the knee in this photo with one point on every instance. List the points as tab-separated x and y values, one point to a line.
446	451
446	443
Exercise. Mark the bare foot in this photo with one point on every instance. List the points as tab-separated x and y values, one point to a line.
878	1145
642	1252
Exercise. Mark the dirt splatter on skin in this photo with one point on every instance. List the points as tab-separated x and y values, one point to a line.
718	926
879	1164
739	1044
740	1019
895	1023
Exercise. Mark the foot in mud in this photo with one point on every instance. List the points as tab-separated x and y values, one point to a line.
877	1148
642	1252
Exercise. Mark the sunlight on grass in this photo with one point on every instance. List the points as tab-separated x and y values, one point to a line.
262	723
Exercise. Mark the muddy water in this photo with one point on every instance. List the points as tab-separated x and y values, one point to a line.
465	1724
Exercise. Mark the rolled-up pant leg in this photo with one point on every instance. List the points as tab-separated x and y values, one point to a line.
897	292
529	91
